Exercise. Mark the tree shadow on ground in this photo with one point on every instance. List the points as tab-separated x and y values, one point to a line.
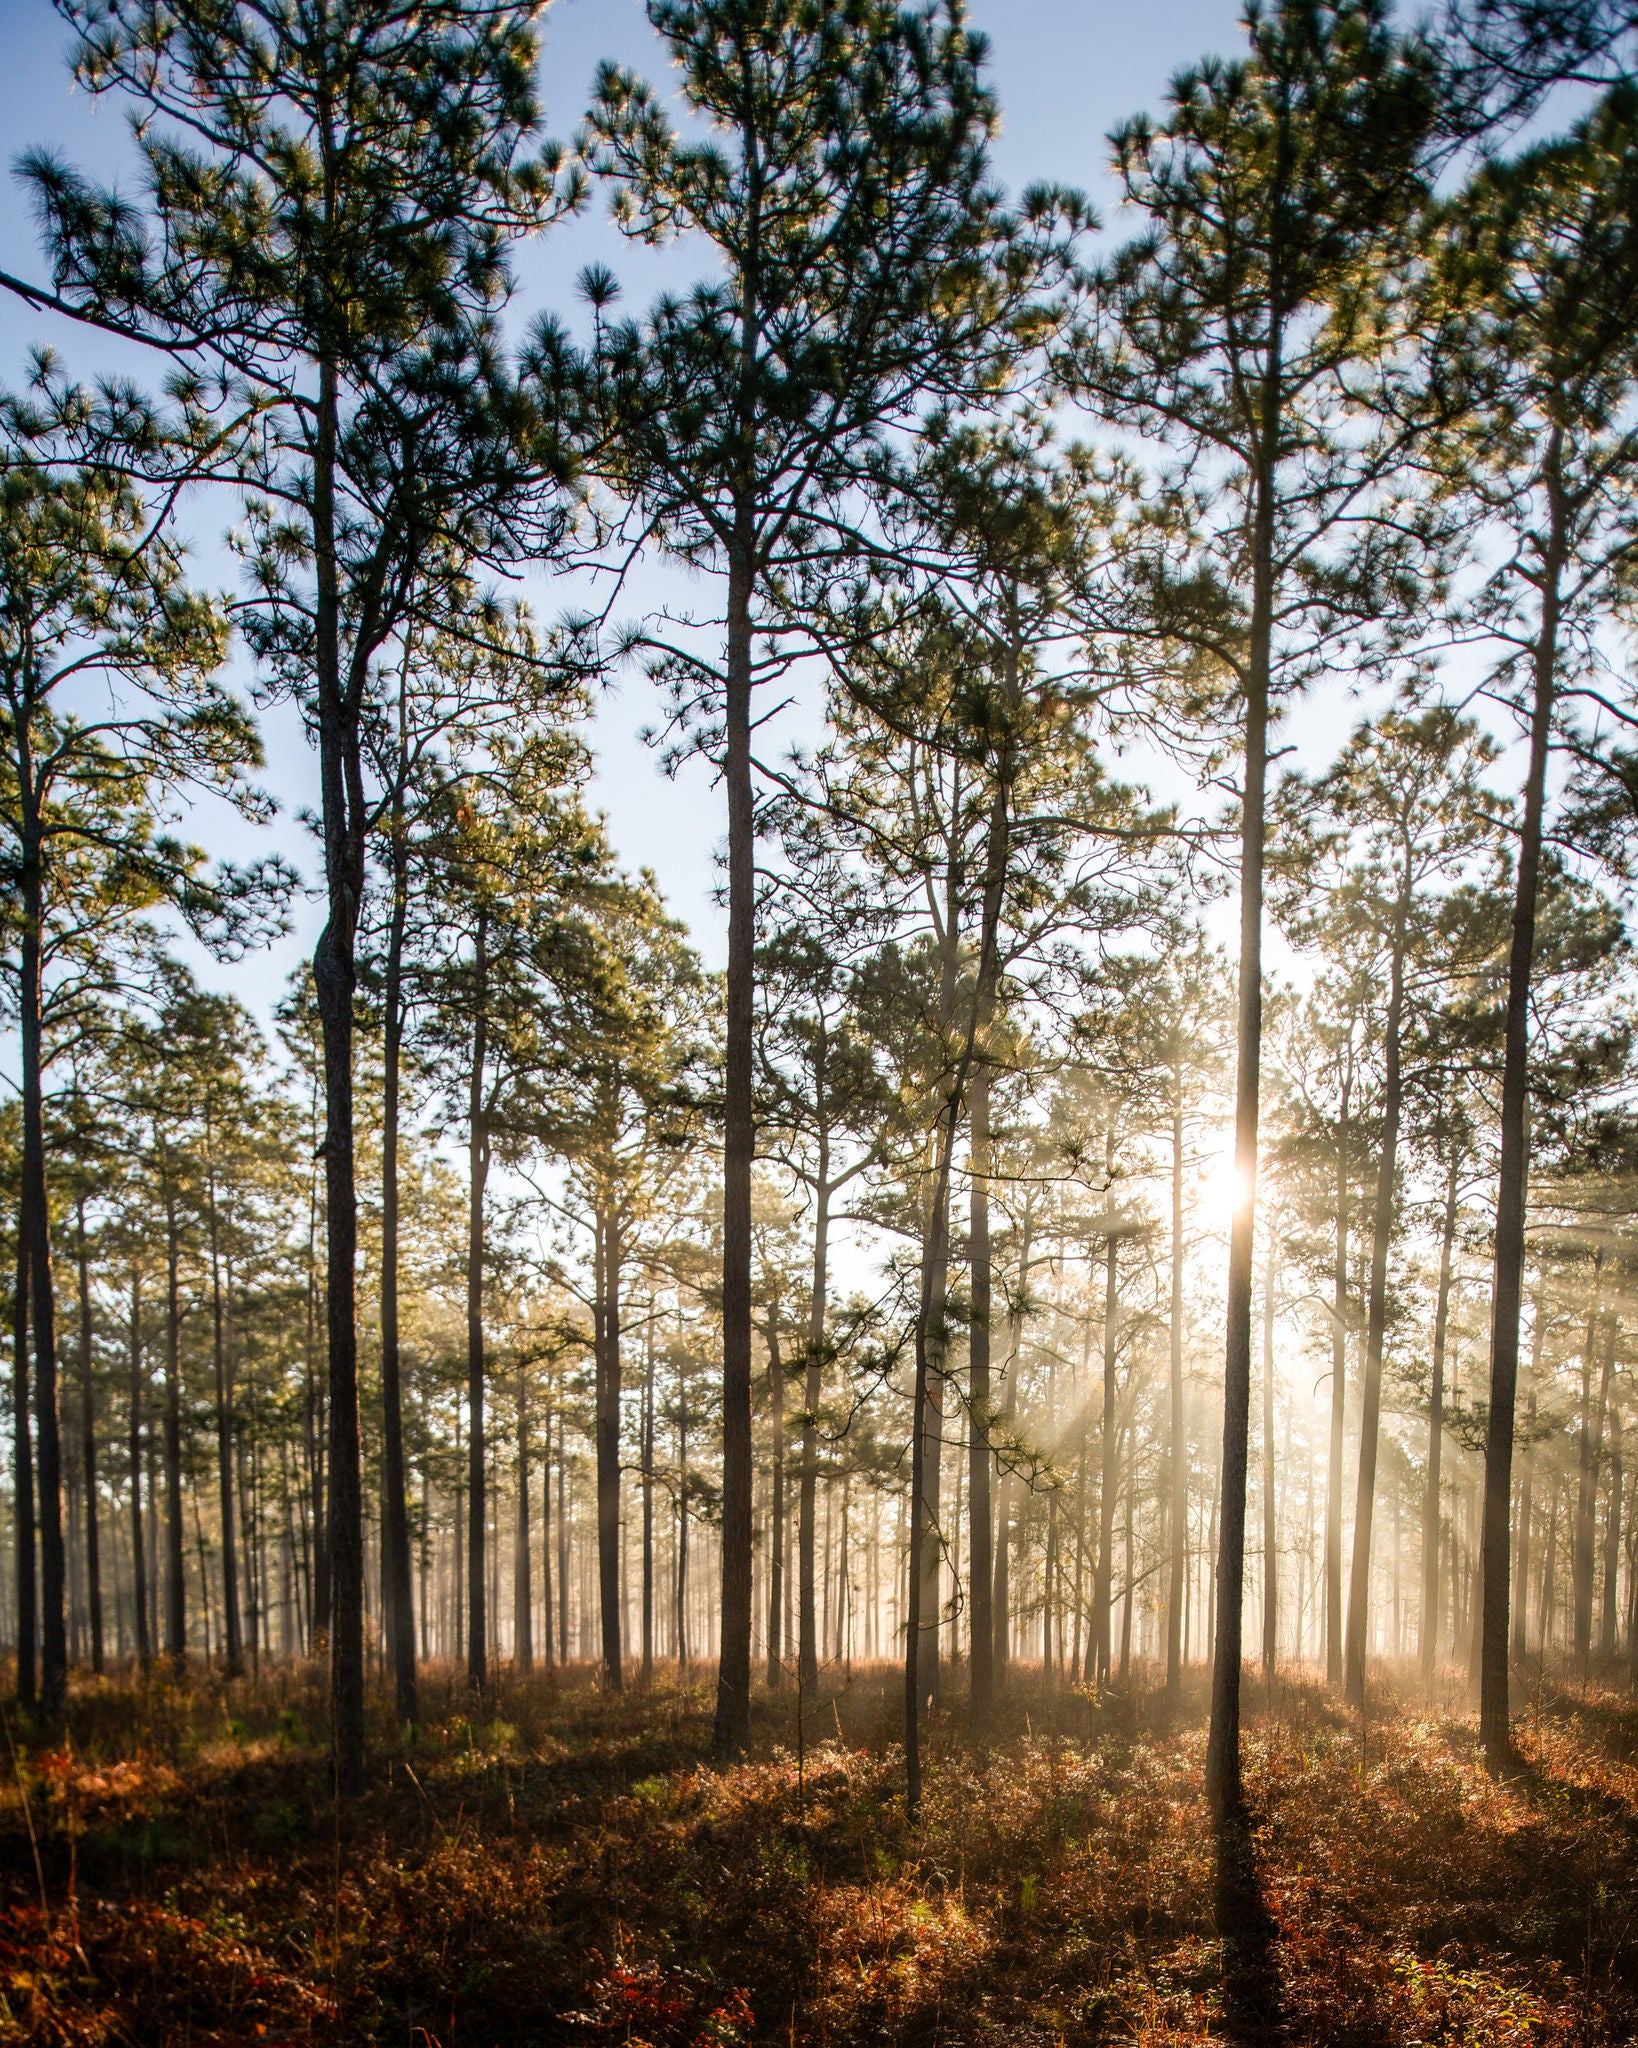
1253	2010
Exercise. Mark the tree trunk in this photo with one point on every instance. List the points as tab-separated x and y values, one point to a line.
1339	1386
176	1620
34	1231
648	1497
1376	1317
1428	1635
921	1641
980	1456
88	1444
932	1336
1223	1744
396	1597
232	1641
28	1618
606	1319
1271	1580
776	1546
139	1575
807	1640
1179	1449
732	1727
523	1596
335	982
1590	1455
477	1632
1001	1603
1612	1532
549	1654
1108	1438
1512	1182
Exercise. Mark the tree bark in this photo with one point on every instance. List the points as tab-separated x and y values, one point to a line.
606	1320
523	1616
1428	1635
1339	1383
396	1596
139	1574
88	1444
477	1154
980	1456
732	1727
335	981
1376	1317
1271	1578
776	1546
648	1496
22	1446
807	1640
176	1620
34	1231
1179	1454
232	1640
1223	1787
1612	1532
1513	1179
1109	1441
1590	1455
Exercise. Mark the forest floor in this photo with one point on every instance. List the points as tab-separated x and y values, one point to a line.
569	1869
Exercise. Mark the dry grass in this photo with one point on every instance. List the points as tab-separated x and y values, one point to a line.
569	1870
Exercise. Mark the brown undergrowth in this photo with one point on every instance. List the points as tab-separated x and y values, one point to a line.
566	1868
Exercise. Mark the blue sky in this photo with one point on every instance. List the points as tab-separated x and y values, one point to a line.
1067	71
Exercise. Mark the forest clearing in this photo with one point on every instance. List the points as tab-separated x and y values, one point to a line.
572	1871
818	1022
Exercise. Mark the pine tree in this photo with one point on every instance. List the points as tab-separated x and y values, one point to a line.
869	269
1242	330
331	190
1533	329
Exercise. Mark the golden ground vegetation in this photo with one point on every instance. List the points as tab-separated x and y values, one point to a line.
566	1868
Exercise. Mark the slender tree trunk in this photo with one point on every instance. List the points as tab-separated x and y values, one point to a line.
523	1592
477	1561
932	1322
1109	1440
34	1230
607	1261
924	1452
1179	1450
396	1597
1271	1578
682	1527
335	980
1223	1744
176	1620
1002	1604
776	1546
1128	1560
232	1641
732	1726
1339	1386
1428	1634
22	1447
980	1456
315	1427
1590	1454
1513	1179
807	1649
88	1443
648	1497
1612	1531
1376	1317
139	1574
